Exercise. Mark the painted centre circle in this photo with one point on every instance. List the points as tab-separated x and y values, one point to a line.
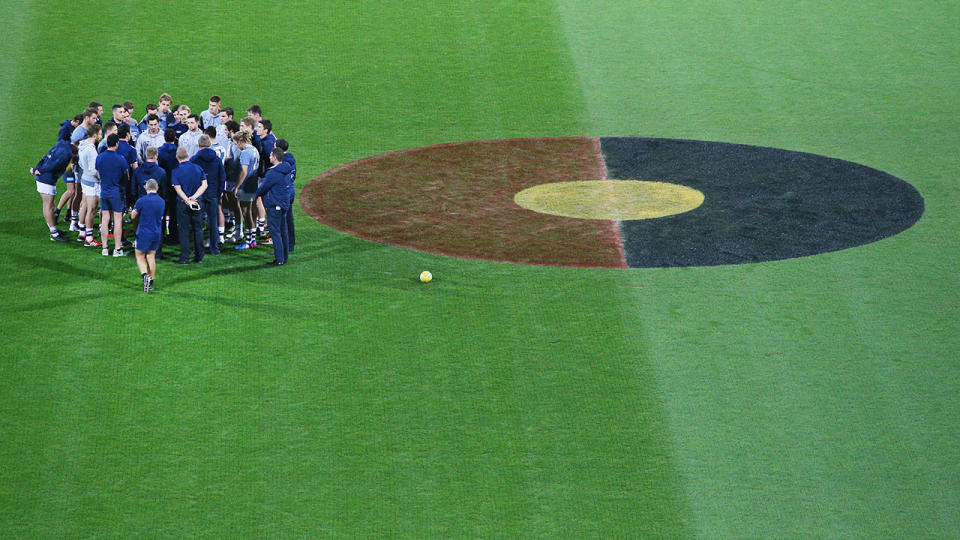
610	199
525	201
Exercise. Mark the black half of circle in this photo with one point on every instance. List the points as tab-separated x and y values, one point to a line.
761	204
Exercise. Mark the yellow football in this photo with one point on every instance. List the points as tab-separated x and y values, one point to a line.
426	276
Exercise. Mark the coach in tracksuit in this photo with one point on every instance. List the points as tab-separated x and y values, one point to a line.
276	199
291	178
212	166
189	183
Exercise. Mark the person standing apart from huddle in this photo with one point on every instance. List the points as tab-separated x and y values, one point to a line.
149	211
189	183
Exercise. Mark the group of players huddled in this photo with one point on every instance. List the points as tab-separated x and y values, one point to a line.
171	172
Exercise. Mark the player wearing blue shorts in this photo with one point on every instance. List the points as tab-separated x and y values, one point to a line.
113	169
69	198
125	149
149	211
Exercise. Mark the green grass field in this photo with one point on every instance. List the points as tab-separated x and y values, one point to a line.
339	397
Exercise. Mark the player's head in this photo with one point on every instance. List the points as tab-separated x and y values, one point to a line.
203	141
112	140
193	121
241	138
169	135
151	186
276	155
264	127
214	105
182	154
151	153
283	144
153	123
123	131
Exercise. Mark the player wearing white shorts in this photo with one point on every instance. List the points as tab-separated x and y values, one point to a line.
46	173
90	187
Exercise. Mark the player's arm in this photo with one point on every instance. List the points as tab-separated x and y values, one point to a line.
243	176
200	190
181	194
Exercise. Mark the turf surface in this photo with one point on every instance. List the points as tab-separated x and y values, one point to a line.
338	396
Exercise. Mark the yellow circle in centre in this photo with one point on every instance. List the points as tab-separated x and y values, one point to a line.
610	199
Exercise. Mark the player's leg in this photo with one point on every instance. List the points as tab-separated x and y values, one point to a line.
141	262
277	223
196	226
48	195
117	232
66	199
151	257
261	218
214	221
105	231
183	226
291	230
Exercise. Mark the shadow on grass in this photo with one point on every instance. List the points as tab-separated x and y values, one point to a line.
20	227
257	261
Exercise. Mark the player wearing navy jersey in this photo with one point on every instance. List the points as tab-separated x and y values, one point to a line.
212	166
112	168
46	173
149	213
147	170
128	190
